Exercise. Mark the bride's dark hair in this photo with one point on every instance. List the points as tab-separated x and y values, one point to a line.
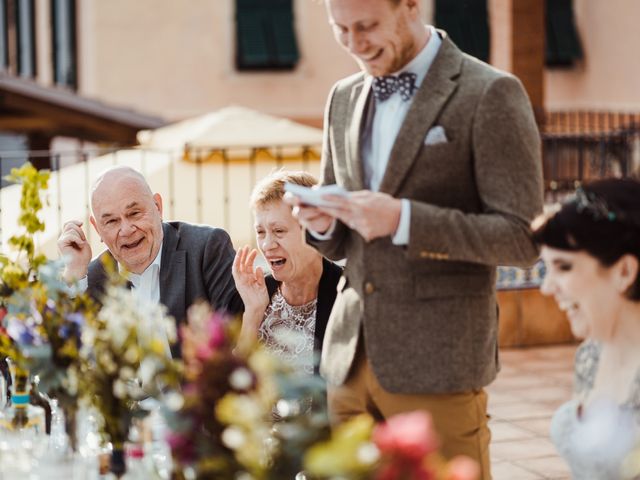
602	219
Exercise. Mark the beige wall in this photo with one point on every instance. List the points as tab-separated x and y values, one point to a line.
161	57
609	77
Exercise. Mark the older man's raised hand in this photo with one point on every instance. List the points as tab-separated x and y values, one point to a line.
75	250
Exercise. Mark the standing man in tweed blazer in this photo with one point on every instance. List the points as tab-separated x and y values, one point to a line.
443	162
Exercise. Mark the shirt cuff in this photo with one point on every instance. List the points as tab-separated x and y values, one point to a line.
401	236
80	286
326	235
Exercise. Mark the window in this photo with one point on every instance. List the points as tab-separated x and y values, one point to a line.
63	19
562	42
25	33
466	23
4	36
265	36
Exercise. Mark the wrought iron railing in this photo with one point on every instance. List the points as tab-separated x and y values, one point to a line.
583	145
577	146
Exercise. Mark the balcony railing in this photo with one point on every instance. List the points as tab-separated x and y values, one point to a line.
213	186
584	145
199	186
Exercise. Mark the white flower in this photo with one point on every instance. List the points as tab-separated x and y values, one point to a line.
233	438
148	370
119	389
70	382
88	336
174	401
241	379
368	454
170	327
244	476
131	355
127	373
106	360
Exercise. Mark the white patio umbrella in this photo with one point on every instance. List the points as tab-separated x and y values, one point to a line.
235	129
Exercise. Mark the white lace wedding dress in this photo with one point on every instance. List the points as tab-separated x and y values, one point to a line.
596	439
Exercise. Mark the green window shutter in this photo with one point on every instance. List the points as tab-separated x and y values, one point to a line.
466	22
563	46
265	35
284	37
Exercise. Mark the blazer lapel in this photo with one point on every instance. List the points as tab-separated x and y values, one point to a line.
172	273
438	85
359	113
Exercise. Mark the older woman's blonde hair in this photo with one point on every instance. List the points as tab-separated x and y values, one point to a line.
271	187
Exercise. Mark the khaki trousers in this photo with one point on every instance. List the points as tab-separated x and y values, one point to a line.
459	418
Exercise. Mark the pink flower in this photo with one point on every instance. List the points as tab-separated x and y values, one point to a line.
216	331
408	435
204	351
181	446
462	468
397	471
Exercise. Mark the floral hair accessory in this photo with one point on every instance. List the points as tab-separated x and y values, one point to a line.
597	207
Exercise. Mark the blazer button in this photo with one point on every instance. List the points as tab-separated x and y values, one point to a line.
369	288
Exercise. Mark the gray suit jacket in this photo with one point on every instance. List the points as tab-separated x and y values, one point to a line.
195	265
427	311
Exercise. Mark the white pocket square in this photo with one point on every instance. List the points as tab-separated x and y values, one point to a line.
436	135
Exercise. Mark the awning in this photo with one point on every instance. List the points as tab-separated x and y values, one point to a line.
28	107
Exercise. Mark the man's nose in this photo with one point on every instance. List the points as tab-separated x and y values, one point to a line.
127	227
355	43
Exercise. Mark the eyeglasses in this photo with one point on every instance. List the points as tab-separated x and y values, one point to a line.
590	203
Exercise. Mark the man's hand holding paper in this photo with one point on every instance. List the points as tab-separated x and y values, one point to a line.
371	214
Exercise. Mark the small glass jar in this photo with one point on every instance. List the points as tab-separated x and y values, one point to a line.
20	415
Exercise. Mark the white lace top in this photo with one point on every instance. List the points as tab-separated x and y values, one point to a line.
288	332
596	439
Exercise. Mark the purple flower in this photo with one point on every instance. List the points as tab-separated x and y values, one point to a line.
23	333
72	326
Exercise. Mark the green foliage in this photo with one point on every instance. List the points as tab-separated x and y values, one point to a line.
16	273
33	183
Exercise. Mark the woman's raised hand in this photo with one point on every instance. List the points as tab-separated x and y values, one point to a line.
249	282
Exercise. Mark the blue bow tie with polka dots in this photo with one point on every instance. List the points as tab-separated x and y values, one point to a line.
384	87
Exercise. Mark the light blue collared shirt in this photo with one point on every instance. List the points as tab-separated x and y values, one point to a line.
378	141
388	117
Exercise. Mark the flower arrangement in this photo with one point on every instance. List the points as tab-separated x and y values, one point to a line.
211	371
107	356
225	425
248	417
41	316
404	447
126	358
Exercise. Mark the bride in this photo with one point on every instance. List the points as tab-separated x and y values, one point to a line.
591	250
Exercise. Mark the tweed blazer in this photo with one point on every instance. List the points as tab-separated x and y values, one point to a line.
195	265
427	311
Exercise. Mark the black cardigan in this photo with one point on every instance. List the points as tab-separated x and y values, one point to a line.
327	291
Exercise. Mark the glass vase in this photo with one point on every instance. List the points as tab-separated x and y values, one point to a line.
20	415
